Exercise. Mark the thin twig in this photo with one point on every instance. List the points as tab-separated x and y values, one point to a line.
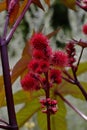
3	122
73	107
67	74
79	58
6	26
8	127
68	80
81	88
77	83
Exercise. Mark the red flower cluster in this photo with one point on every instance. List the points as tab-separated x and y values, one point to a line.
29	83
70	49
55	76
60	59
49	104
84	29
39	41
38	66
44	61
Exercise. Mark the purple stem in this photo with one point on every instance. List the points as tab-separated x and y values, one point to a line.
2	121
5	26
68	80
47	91
79	58
6	127
67	74
82	89
7	78
78	83
8	38
73	107
8	86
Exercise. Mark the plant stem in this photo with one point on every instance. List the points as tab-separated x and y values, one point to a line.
2	121
68	80
78	84
67	74
5	26
81	88
73	107
18	21
79	58
47	96
8	86
6	127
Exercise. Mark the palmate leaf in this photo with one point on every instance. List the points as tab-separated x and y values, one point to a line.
58	121
26	97
2	92
13	14
22	96
3	5
1	81
73	90
69	3
2	96
21	67
22	6
50	35
27	111
82	68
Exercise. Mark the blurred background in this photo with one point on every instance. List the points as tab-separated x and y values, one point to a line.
58	15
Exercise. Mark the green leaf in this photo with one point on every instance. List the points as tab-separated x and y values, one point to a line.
26	97
58	120
1	81
2	96
2	92
42	120
70	89
82	68
21	97
27	111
